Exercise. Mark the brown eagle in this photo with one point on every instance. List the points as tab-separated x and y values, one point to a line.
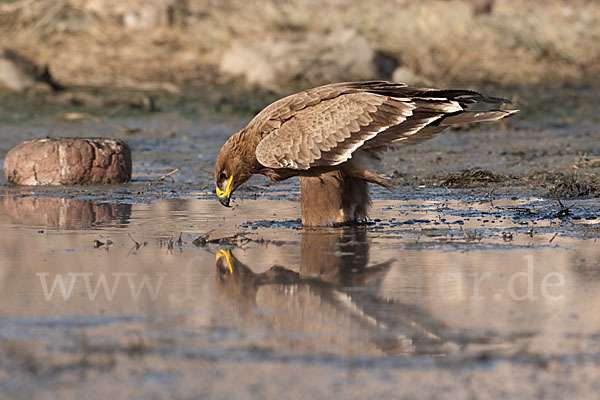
332	136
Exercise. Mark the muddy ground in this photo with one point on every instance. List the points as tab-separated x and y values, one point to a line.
477	277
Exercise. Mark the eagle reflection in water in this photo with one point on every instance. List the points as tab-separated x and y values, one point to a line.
331	305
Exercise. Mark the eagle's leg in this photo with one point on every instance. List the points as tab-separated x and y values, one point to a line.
333	198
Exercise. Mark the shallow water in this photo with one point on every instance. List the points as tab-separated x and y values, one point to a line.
444	291
108	292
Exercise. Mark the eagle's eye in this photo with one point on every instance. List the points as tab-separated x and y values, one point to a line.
222	177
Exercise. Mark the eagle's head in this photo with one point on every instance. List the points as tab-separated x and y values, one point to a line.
231	169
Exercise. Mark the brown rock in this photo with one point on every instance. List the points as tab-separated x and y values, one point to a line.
313	57
18	72
406	75
68	161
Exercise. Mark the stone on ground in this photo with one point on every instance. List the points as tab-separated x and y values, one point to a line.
68	161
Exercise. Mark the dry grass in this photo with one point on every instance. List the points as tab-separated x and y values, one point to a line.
565	185
474	178
162	43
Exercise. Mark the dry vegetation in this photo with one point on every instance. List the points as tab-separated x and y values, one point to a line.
166	43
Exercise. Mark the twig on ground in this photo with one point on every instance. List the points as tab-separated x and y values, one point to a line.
174	171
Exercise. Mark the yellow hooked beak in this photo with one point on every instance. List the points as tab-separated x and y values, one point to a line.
227	255
225	195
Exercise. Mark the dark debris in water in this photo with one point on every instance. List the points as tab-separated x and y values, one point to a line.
238	239
235	240
293	224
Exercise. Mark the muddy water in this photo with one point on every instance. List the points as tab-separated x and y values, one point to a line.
103	298
480	292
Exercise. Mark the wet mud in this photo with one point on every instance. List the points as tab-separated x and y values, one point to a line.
482	267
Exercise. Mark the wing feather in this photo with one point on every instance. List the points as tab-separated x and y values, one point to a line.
328	132
324	126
